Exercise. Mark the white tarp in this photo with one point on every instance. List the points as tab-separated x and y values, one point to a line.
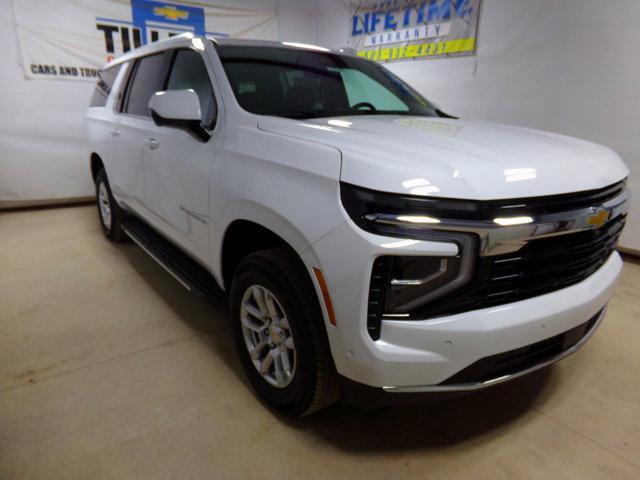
44	156
72	39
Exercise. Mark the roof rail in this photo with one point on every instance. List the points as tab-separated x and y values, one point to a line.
152	47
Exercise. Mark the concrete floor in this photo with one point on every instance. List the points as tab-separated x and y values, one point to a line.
109	369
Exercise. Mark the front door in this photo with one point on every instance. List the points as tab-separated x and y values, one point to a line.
178	165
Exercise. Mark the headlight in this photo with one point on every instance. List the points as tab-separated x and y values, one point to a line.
403	287
405	216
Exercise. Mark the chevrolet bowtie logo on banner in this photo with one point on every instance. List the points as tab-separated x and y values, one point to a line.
412	29
171	13
73	39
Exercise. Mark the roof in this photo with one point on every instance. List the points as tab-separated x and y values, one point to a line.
242	42
149	48
186	38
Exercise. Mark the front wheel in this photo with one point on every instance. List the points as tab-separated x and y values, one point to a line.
280	334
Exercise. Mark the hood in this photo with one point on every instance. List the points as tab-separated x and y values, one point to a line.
456	158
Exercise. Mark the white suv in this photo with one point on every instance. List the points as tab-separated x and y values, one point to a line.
371	247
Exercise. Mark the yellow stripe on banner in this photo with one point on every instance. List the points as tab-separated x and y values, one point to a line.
458	45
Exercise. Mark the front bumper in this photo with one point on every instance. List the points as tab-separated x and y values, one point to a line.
418	355
365	396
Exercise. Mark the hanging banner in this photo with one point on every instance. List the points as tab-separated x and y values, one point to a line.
73	39
413	29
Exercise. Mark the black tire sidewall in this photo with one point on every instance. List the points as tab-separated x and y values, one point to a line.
294	398
101	178
115	233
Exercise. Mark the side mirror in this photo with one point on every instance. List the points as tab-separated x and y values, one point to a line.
179	108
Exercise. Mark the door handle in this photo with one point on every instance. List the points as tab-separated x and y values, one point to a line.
152	143
114	132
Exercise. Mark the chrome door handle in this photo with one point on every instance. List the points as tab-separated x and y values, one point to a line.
152	143
114	132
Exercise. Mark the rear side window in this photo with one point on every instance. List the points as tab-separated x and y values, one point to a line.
103	86
146	80
189	72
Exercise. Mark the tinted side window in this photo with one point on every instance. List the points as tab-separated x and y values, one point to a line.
146	80
104	86
189	72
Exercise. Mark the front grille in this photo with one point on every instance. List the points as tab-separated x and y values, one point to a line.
514	361
552	203
542	266
552	263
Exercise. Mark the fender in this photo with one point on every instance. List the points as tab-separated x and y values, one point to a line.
263	216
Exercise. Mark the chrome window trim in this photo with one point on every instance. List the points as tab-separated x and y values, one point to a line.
497	239
467	387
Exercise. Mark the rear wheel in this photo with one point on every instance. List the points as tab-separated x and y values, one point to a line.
110	213
280	334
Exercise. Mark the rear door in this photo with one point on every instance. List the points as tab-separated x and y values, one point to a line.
178	165
103	125
134	126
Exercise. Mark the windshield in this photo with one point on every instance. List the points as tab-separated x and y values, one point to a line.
306	84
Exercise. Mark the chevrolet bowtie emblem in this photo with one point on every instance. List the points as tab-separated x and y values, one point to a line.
170	13
598	219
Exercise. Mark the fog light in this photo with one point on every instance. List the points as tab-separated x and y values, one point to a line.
414	281
403	286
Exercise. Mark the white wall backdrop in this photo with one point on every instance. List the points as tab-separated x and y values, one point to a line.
567	66
42	155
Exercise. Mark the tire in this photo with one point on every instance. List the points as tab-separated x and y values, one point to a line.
109	212
313	382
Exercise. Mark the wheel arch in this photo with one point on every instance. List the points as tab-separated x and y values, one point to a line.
246	228
96	163
242	238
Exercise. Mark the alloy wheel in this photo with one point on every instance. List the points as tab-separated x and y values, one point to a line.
267	336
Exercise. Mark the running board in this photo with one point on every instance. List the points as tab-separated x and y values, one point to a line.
191	275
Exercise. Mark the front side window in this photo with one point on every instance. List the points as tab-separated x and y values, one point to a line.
106	78
147	79
308	84
189	72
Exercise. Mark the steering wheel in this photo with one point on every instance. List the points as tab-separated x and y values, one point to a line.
360	105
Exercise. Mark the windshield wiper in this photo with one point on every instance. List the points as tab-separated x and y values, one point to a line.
342	113
300	115
388	112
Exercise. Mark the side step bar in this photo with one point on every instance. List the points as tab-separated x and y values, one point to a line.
193	276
